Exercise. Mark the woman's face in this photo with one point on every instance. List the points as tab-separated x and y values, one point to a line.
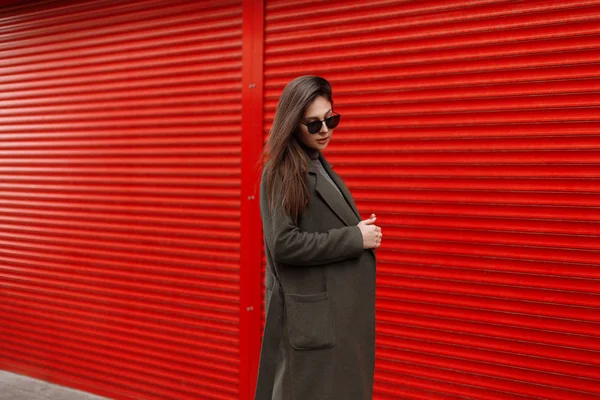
319	109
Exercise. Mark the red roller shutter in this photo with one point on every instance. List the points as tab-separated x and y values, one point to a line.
472	129
120	196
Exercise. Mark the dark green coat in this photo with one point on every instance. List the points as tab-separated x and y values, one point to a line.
319	338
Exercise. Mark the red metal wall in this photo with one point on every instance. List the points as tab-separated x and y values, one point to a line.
471	128
120	196
129	234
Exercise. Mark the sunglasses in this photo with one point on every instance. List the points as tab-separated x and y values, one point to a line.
315	126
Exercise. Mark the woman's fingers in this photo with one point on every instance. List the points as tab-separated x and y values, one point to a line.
373	233
377	240
371	220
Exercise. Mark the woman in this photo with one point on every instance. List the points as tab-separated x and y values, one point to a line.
319	338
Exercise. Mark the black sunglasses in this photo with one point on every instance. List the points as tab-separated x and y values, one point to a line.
315	126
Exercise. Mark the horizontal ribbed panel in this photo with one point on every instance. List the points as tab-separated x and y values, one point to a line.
471	129
120	196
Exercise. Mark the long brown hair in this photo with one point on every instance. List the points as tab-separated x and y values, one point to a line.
286	165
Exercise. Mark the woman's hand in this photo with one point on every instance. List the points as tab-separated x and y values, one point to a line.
371	233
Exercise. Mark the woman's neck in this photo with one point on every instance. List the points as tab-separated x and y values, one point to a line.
313	154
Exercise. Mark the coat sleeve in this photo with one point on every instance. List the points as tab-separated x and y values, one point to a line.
289	245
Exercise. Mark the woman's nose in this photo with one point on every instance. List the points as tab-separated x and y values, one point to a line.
324	127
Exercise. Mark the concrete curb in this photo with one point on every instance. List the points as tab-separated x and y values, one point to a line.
19	387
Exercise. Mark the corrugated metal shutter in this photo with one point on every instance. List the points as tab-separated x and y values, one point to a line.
120	196
472	129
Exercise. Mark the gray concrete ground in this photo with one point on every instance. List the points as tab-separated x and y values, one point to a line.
19	387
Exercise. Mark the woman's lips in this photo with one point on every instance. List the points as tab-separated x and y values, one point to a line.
323	140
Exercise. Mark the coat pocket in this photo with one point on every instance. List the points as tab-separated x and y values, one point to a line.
309	321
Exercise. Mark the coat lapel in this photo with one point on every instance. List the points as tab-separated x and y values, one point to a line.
341	185
344	189
346	212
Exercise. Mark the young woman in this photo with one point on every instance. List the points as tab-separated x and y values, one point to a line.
319	338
